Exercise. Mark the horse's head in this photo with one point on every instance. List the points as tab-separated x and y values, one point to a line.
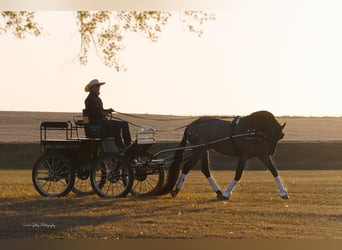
265	123
274	136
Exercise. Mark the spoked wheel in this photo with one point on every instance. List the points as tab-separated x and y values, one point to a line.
53	175
148	176
111	176
82	184
147	180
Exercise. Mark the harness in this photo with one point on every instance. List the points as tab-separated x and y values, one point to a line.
234	123
256	135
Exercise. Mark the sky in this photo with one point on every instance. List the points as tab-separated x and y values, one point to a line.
281	56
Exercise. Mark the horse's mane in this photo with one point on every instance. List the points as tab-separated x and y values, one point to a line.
261	120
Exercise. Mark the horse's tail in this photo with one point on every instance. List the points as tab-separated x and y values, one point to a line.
173	171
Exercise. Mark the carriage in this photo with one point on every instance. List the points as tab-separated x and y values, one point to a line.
94	164
76	158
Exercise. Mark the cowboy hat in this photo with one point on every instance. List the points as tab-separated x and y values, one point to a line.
92	83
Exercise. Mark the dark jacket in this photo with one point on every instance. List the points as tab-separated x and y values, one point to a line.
94	108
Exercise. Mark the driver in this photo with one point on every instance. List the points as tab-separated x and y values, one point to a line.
97	115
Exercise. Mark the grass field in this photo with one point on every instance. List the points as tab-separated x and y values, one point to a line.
255	210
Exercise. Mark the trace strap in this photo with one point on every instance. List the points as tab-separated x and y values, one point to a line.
204	144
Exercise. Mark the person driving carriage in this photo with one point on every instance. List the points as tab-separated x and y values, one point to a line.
97	115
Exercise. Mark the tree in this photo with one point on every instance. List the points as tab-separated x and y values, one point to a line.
20	23
106	29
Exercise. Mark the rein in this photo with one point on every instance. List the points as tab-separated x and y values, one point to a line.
160	131
153	119
163	120
251	134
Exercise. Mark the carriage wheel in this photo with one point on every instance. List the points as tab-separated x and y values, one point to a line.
82	184
112	176
53	175
148	179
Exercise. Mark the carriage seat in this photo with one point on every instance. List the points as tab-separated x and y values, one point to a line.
58	129
92	131
97	131
54	125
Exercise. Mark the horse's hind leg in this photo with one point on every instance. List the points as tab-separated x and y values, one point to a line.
269	164
205	168
186	169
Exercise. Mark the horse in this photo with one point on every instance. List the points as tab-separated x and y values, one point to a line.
255	135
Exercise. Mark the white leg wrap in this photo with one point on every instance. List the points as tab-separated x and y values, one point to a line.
279	184
213	184
282	190
229	189
180	181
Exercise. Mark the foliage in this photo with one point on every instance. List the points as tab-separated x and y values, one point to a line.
106	30
20	23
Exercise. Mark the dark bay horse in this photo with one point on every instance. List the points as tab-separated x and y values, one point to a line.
255	135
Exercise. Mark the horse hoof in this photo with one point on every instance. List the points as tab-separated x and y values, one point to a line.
174	193
218	194
285	196
221	197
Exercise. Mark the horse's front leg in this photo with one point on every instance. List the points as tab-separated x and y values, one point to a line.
266	159
238	173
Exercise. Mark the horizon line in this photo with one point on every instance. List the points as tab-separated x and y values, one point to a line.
184	115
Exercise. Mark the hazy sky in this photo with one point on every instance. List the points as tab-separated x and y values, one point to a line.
283	56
